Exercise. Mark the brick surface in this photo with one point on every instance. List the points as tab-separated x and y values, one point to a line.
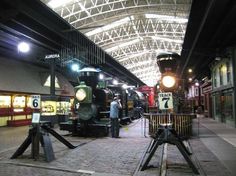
103	156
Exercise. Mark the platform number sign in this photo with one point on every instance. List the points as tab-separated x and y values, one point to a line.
165	100
35	104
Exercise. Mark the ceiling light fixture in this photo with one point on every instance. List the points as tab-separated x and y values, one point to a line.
75	67
23	47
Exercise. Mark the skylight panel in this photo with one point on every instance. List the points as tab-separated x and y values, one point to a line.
123	45
167	18
110	26
57	3
167	39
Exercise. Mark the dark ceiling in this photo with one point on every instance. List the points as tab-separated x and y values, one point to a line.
48	33
211	29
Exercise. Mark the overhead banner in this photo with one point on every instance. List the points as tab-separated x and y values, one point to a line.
165	100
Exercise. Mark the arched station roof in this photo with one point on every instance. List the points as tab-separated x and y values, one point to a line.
133	32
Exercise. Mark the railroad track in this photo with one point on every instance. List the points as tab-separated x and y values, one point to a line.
164	168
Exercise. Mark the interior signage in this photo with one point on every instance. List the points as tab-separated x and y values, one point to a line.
52	56
165	100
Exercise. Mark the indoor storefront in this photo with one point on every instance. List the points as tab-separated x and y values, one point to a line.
24	80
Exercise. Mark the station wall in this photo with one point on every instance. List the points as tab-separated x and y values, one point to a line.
223	92
18	81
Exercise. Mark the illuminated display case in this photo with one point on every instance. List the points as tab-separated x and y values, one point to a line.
19	104
48	108
63	108
28	109
55	109
5	101
5	105
14	110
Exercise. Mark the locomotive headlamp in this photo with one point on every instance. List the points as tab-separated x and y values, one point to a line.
80	94
83	93
168	81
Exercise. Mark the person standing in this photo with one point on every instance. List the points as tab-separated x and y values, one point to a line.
114	116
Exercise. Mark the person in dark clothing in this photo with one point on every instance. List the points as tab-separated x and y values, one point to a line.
114	116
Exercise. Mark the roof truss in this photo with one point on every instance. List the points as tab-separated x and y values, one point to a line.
131	31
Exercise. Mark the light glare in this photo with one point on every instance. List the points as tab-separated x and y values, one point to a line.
23	47
168	81
115	82
101	76
75	67
124	86
57	3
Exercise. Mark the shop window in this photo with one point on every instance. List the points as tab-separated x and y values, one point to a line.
206	102
19	103
196	91
214	80
217	101
5	101
63	108
228	106
221	74
48	108
228	72
29	99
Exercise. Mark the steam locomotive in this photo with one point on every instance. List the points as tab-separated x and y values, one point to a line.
170	82
89	106
92	104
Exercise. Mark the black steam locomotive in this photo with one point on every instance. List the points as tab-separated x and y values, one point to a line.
92	104
170	82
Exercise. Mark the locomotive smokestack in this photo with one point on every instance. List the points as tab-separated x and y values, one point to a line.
90	76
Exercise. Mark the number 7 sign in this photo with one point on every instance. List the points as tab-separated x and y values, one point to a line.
165	100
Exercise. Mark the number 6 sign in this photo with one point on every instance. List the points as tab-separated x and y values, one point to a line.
35	103
165	100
